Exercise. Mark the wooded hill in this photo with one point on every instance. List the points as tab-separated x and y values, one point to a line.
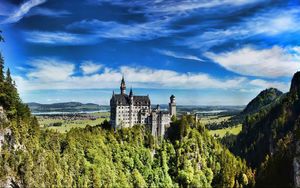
269	137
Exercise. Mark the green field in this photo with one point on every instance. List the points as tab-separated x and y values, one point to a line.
231	130
235	130
69	124
214	119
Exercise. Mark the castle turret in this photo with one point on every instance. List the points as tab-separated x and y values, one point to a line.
172	106
131	108
131	96
123	86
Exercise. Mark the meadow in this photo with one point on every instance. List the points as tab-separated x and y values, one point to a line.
218	119
67	124
220	133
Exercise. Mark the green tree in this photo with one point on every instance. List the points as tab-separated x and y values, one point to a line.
2	78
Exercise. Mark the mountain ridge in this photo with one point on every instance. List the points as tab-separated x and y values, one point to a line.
64	107
263	99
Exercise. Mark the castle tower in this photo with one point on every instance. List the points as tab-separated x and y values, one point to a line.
131	109
123	86
172	106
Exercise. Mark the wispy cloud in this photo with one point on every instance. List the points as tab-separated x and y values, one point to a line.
270	23
21	11
59	38
175	7
133	31
49	12
89	67
273	62
179	55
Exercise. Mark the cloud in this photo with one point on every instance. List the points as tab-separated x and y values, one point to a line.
179	55
50	70
49	12
273	62
267	84
134	31
270	23
146	77
59	38
176	7
50	74
55	74
21	11
88	67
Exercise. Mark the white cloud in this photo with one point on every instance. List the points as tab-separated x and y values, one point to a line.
50	70
53	74
179	55
21	11
88	67
59	38
272	63
47	77
261	84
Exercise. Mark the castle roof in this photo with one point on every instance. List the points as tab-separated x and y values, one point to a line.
124	100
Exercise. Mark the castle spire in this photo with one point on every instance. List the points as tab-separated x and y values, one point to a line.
123	86
131	93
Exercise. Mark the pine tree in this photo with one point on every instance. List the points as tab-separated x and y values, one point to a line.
1	37
1	68
1	60
8	78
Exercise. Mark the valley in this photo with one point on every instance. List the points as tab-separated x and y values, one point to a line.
65	121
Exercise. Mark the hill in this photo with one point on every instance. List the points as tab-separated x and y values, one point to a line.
262	100
268	140
64	107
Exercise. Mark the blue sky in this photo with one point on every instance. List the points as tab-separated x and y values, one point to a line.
205	52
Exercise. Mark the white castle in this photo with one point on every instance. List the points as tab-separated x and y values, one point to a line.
128	110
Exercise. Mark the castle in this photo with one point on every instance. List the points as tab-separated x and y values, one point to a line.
128	110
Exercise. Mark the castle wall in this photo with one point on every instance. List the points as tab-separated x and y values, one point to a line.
130	110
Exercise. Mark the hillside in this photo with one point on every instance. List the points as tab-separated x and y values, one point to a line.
262	100
64	107
268	139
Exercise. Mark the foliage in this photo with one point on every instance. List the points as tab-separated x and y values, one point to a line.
262	100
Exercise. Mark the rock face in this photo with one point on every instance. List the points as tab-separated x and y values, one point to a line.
3	135
295	85
296	165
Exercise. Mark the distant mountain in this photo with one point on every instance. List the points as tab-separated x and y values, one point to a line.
262	100
269	140
64	107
